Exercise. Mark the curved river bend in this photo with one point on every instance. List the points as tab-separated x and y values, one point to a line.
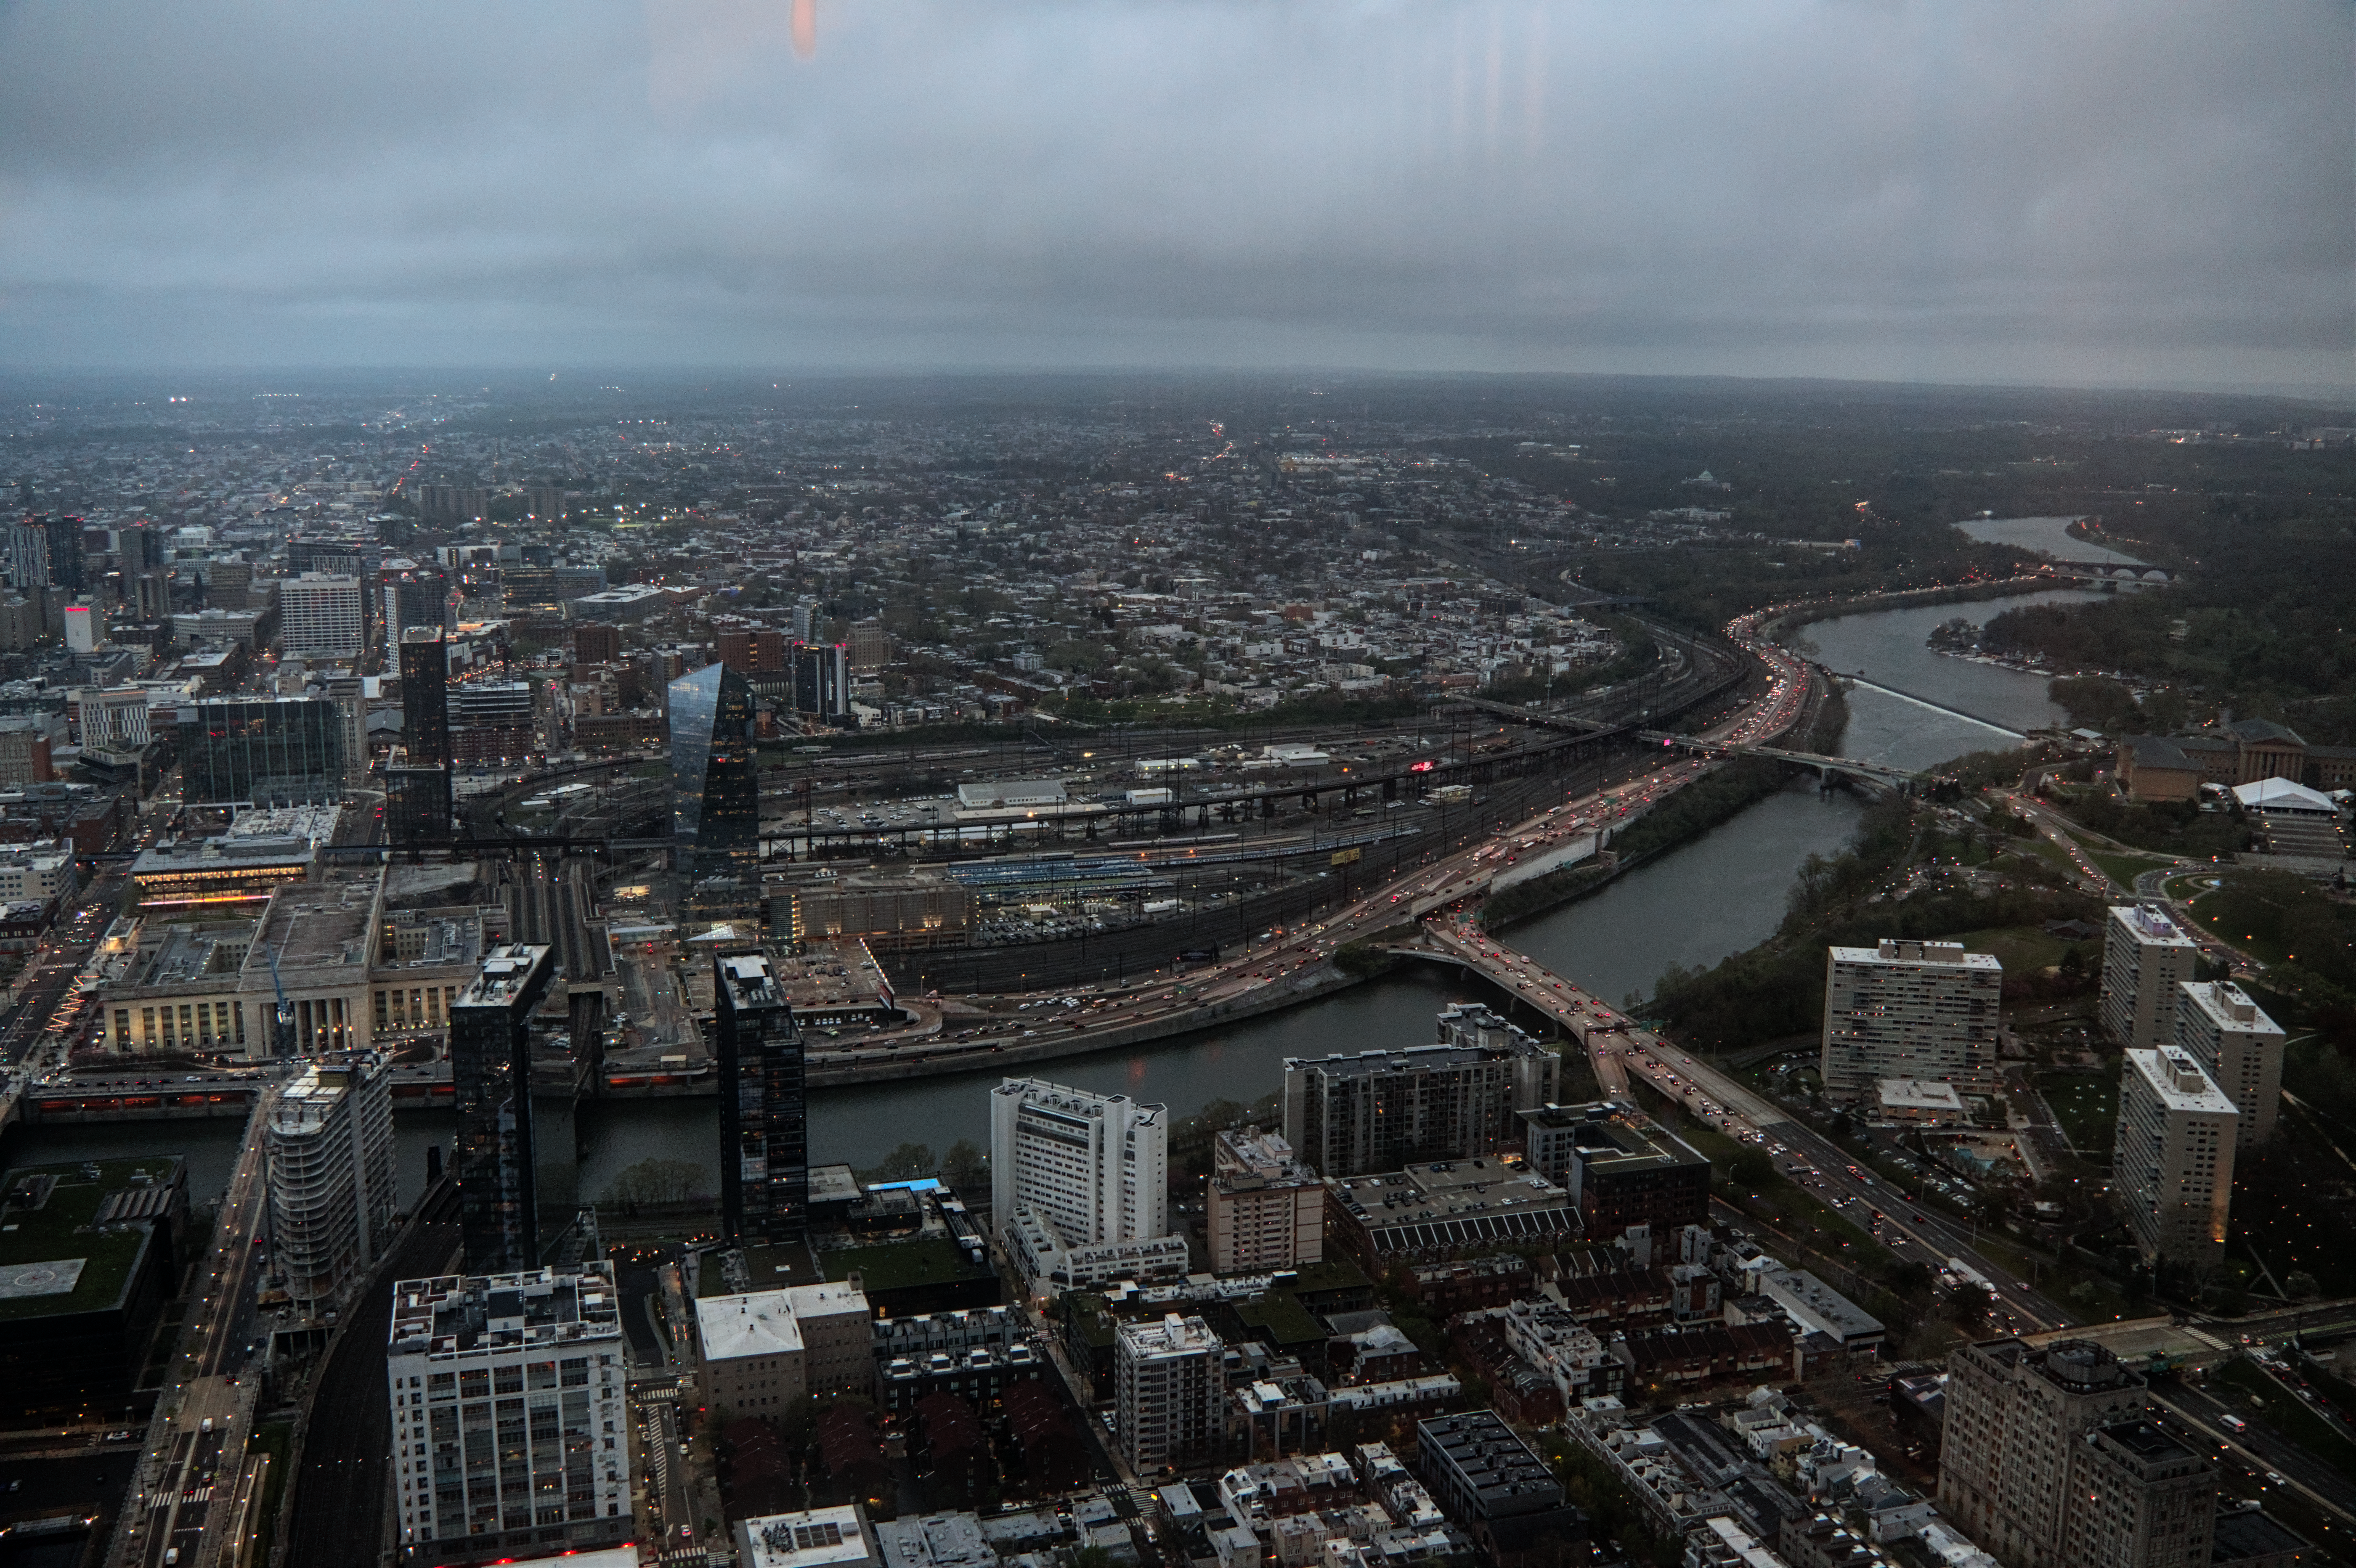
1714	896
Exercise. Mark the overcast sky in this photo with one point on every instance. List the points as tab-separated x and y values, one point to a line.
2061	191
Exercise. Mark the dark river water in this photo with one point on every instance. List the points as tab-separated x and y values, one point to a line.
1694	906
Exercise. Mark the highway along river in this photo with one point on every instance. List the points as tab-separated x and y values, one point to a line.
1710	897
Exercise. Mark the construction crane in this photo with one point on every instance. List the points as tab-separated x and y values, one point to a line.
282	1037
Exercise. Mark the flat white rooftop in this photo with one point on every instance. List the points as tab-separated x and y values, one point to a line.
2179	1081
758	1323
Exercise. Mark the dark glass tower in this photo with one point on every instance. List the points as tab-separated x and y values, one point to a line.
272	751
67	568
764	1126
425	696
715	811
417	785
490	1071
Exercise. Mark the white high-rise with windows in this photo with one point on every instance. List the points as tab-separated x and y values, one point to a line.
1073	1173
322	616
2172	1157
511	1434
2239	1047
1910	1009
329	1145
2144	958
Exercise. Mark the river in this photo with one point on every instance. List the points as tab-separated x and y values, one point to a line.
1714	896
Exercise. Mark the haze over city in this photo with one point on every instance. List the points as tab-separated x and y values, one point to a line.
2094	192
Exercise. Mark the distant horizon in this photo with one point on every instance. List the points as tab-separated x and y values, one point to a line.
514	378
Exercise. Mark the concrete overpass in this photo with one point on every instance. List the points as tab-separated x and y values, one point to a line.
1825	767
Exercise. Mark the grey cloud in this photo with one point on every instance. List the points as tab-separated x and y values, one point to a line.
2106	190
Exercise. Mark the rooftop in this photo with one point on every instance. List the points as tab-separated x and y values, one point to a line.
2177	1079
463	1314
757	1323
71	1233
818	1538
2149	923
506	975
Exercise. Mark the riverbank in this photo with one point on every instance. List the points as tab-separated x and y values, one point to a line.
1782	625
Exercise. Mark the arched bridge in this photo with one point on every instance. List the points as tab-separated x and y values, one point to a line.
2106	570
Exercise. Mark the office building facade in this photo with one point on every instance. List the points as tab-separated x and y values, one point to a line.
1264	1208
510	1423
490	1069
1170	1393
282	751
764	1106
2017	1414
425	695
1925	1010
2172	1157
2146	958
715	787
2239	1047
322	616
328	1141
1383	1110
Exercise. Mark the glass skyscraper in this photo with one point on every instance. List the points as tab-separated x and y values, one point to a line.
764	1125
490	1073
715	812
271	751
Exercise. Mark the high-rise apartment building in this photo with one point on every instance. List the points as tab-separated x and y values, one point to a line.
1264	1209
821	676
715	788
1909	1009
2017	1416
68	568
2239	1047
2144	958
84	628
2172	1157
490	1071
322	616
871	646
764	1106
113	722
1096	1166
25	553
2139	1498
1170	1393
511	1427
596	643
267	751
1385	1110
413	595
328	1141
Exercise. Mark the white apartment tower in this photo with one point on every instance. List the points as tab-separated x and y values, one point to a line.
2239	1047
1910	1009
1169	1392
2172	1158
329	1147
1097	1166
510	1435
322	616
2145	959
